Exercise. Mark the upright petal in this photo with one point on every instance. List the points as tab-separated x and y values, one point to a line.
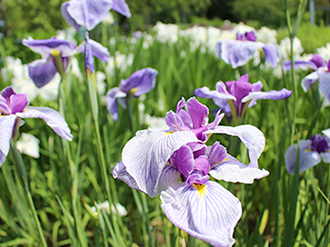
121	7
184	160
198	112
208	212
146	154
231	170
52	118
174	121
18	102
272	54
6	130
88	56
251	137
42	72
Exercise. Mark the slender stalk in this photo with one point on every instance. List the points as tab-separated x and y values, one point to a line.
21	172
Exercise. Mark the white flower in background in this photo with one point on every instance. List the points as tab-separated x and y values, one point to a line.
266	35
242	28
105	205
119	61
154	122
67	34
324	52
49	92
147	40
285	48
108	19
166	32
100	84
29	145
74	68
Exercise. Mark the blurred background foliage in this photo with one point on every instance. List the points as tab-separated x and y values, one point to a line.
41	18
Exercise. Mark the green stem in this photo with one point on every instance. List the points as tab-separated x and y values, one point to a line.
21	173
130	114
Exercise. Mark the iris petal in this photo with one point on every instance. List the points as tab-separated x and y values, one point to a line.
112	105
209	213
251	137
231	170
42	71
52	118
6	131
146	154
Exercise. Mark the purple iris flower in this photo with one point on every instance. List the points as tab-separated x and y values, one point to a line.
42	71
317	64
13	107
239	52
324	80
236	96
140	82
155	160
311	152
87	13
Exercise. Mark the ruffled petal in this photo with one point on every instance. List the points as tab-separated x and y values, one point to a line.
235	52
272	54
208	212
231	170
251	137
111	101
67	17
52	118
121	7
6	130
146	155
86	13
273	94
42	72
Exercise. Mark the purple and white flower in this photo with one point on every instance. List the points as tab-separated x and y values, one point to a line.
78	13
236	96
140	82
13	107
238	52
311	152
42	71
155	160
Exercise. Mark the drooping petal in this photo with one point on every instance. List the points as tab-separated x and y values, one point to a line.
272	54
146	155
52	118
251	137
205	92
97	50
121	7
111	99
85	13
197	112
324	84
235	52
298	64
6	130
307	158
42	72
273	94
325	157
208	212
308	80
231	170
119	172
140	82
326	132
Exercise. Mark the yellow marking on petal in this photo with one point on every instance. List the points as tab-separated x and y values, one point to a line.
307	150
201	189
55	53
133	90
168	133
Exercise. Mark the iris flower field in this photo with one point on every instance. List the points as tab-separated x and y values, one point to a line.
175	136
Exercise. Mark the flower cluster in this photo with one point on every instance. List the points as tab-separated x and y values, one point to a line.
156	159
